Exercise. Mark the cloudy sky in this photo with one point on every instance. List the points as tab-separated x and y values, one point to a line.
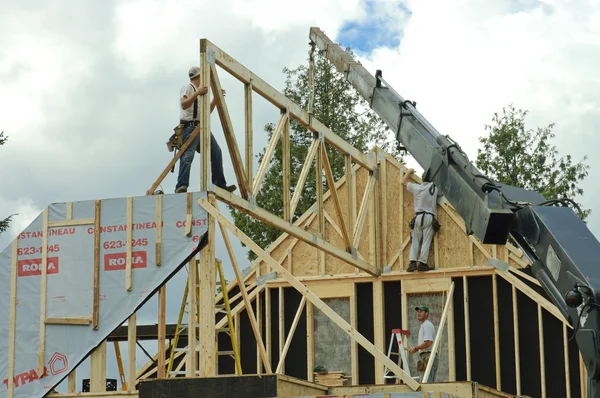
89	90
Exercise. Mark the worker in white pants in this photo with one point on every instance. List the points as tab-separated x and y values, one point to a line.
424	224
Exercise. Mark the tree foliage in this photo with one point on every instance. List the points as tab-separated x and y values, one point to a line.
339	107
5	223
515	155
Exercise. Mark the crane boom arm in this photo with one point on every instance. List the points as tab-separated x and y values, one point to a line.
563	252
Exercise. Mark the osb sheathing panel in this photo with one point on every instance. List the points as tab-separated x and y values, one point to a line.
454	249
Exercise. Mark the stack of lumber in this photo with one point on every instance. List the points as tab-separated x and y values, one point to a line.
330	379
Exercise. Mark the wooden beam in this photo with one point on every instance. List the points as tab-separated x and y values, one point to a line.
192	358
335	198
188	214
97	231
362	213
320	204
249	132
237	70
232	145
566	360
516	338
310	341
298	232
70	223
542	356
288	341
467	327
310	296
159	222
312	150
12	318
204	125
353	345
286	167
440	333
264	164
496	332
379	327
246	299
162	315
131	351
98	368
207	279
81	320
43	293
70	211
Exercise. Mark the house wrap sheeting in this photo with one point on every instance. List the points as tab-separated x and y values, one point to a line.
70	280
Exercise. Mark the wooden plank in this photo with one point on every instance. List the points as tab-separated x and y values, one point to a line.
350	194
162	324
188	214
320	206
542	361
310	341
98	368
362	213
496	332
401	220
192	359
12	317
264	164
335	198
159	222
426	285
249	131
228	63
281	323
81	320
253	323
288	341
286	160
293	230
331	290
269	346
70	211
204	112
566	361
353	345
532	294
467	327
304	174
440	332
228	132
128	267
365	343
131	351
97	231
379	327
516	338
451	346
524	275
259	315
383	206
72	382
43	293
207	285
70	223
460	389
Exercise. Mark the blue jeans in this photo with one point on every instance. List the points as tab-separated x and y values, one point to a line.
433	372
185	162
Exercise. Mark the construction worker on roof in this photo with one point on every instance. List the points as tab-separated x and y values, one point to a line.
424	224
188	115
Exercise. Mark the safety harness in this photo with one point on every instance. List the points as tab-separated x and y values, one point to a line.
435	224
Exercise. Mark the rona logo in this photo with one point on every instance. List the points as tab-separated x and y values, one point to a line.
117	261
33	266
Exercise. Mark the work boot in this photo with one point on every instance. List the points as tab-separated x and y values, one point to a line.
412	266
423	267
181	189
228	188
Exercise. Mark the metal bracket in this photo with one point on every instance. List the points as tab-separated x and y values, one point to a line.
268	277
252	202
354	253
321	137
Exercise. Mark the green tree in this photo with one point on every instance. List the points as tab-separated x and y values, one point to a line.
339	107
515	155
5	223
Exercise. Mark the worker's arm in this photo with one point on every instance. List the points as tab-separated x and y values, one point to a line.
407	175
426	344
186	101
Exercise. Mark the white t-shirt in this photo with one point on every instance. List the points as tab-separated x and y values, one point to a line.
187	114
426	332
424	201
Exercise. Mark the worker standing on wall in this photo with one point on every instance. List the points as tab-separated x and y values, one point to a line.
424	224
425	341
188	117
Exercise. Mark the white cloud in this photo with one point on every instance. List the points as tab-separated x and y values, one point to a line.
462	61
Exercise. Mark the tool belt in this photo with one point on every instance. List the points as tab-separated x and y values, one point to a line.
423	360
176	140
435	224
